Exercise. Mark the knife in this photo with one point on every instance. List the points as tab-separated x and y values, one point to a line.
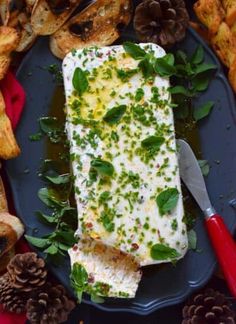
221	239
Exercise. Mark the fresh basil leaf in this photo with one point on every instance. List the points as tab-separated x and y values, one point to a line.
97	299
183	110
104	197
48	197
146	67
200	82
49	124
59	179
103	168
181	57
79	279
125	75
198	56
164	66
115	114
41	243
80	81
192	240
167	200
152	142
163	252
204	67
67	237
180	90
205	168
45	218
52	249
203	111
134	50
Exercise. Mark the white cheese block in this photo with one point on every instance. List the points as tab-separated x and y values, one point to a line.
121	211
110	272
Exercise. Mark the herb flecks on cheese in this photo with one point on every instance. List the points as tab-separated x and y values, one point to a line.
123	152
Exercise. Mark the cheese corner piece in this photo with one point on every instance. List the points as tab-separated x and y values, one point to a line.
110	272
123	152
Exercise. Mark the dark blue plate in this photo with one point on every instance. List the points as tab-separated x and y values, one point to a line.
162	286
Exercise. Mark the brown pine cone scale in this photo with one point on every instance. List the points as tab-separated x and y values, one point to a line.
161	21
27	271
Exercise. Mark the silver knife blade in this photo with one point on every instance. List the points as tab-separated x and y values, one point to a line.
191	175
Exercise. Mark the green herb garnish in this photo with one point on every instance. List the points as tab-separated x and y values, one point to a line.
80	81
203	111
163	252
103	168
152	142
114	114
167	200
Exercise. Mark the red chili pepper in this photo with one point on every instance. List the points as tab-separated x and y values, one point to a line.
14	96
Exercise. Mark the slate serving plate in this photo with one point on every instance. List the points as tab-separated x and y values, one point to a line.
160	287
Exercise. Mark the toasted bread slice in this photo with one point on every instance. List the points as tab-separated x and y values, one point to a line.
27	35
230	8
11	229
5	61
3	198
8	148
232	75
210	13
9	39
4	11
224	44
46	18
99	24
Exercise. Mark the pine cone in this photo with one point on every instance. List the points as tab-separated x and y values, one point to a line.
27	271
210	306
10	298
49	306
161	21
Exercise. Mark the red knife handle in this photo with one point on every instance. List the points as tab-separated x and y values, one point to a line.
225	249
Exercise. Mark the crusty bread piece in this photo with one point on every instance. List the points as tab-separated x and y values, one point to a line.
230	9
11	229
233	29
4	11
3	198
8	148
210	13
45	22
224	44
232	75
9	39
27	35
5	61
99	24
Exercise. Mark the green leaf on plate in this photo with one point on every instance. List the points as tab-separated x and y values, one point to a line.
167	200
192	240
79	279
146	67
134	50
152	142
103	168
204	67
203	111
164	66
114	114
80	81
45	218
41	243
180	90
205	168
198	55
52	249
59	179
163	252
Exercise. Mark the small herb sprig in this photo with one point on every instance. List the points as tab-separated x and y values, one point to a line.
192	76
56	196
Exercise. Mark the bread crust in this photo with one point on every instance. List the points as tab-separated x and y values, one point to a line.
230	8
45	22
98	25
232	75
210	13
11	229
224	44
3	198
8	148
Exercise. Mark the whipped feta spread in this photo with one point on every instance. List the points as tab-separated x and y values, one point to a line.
123	153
